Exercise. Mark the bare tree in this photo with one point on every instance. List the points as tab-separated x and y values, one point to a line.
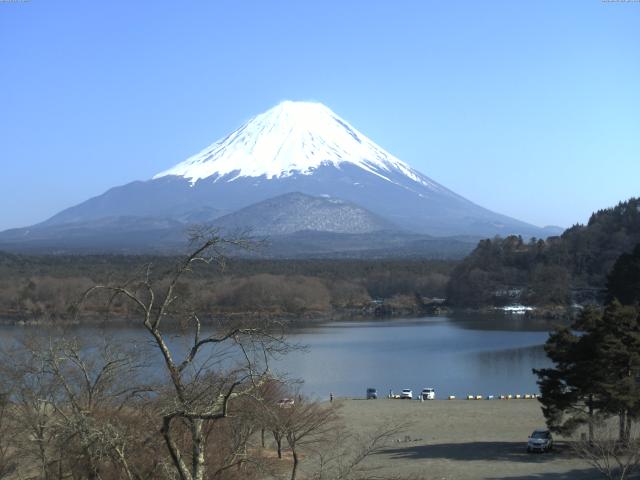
7	454
306	423
612	458
31	391
71	405
343	455
224	363
273	415
268	412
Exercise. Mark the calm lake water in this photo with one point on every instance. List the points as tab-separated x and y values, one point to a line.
455	355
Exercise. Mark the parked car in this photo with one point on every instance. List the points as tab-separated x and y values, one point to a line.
406	393
372	394
540	441
428	394
286	402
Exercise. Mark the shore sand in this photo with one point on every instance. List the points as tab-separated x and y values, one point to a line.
463	439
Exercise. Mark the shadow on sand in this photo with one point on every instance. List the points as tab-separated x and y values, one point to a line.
493	452
489	451
587	474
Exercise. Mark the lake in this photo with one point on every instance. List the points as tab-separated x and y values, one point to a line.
472	355
487	355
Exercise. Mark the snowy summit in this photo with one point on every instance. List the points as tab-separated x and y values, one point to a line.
291	138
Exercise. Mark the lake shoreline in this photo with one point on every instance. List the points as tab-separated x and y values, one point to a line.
554	313
335	315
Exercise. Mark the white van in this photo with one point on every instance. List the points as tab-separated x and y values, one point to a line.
428	394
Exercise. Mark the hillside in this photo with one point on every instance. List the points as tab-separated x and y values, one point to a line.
556	271
297	212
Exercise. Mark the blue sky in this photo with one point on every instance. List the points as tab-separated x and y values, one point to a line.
531	109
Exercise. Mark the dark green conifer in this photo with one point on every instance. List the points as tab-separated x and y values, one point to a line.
571	391
618	354
597	359
623	282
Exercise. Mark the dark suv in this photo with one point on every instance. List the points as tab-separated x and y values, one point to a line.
372	394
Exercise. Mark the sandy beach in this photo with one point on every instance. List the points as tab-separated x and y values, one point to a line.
464	439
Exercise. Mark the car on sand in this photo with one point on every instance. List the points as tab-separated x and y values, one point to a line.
540	441
406	393
428	393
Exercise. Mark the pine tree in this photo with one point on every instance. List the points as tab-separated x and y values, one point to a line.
618	351
597	360
623	283
571	393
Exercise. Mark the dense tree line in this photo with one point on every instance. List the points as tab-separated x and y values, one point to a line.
555	271
43	287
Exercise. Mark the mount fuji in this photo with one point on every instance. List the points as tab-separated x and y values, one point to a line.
295	147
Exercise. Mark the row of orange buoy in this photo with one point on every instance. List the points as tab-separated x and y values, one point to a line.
526	396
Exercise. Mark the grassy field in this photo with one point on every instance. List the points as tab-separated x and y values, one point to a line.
462	439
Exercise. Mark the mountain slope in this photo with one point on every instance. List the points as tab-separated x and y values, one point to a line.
296	212
294	147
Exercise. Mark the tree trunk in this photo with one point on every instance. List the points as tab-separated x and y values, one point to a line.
262	436
278	440
198	442
627	430
621	424
43	458
93	469
174	451
590	419
294	469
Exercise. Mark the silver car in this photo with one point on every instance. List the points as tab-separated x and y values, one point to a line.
540	441
406	393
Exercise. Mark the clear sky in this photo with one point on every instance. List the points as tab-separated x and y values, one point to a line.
531	109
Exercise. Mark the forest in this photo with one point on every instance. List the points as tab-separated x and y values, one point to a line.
557	271
45	288
571	268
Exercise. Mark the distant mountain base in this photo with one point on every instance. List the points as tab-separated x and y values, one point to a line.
367	245
153	237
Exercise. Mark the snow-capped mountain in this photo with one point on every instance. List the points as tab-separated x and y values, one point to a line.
293	147
291	138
